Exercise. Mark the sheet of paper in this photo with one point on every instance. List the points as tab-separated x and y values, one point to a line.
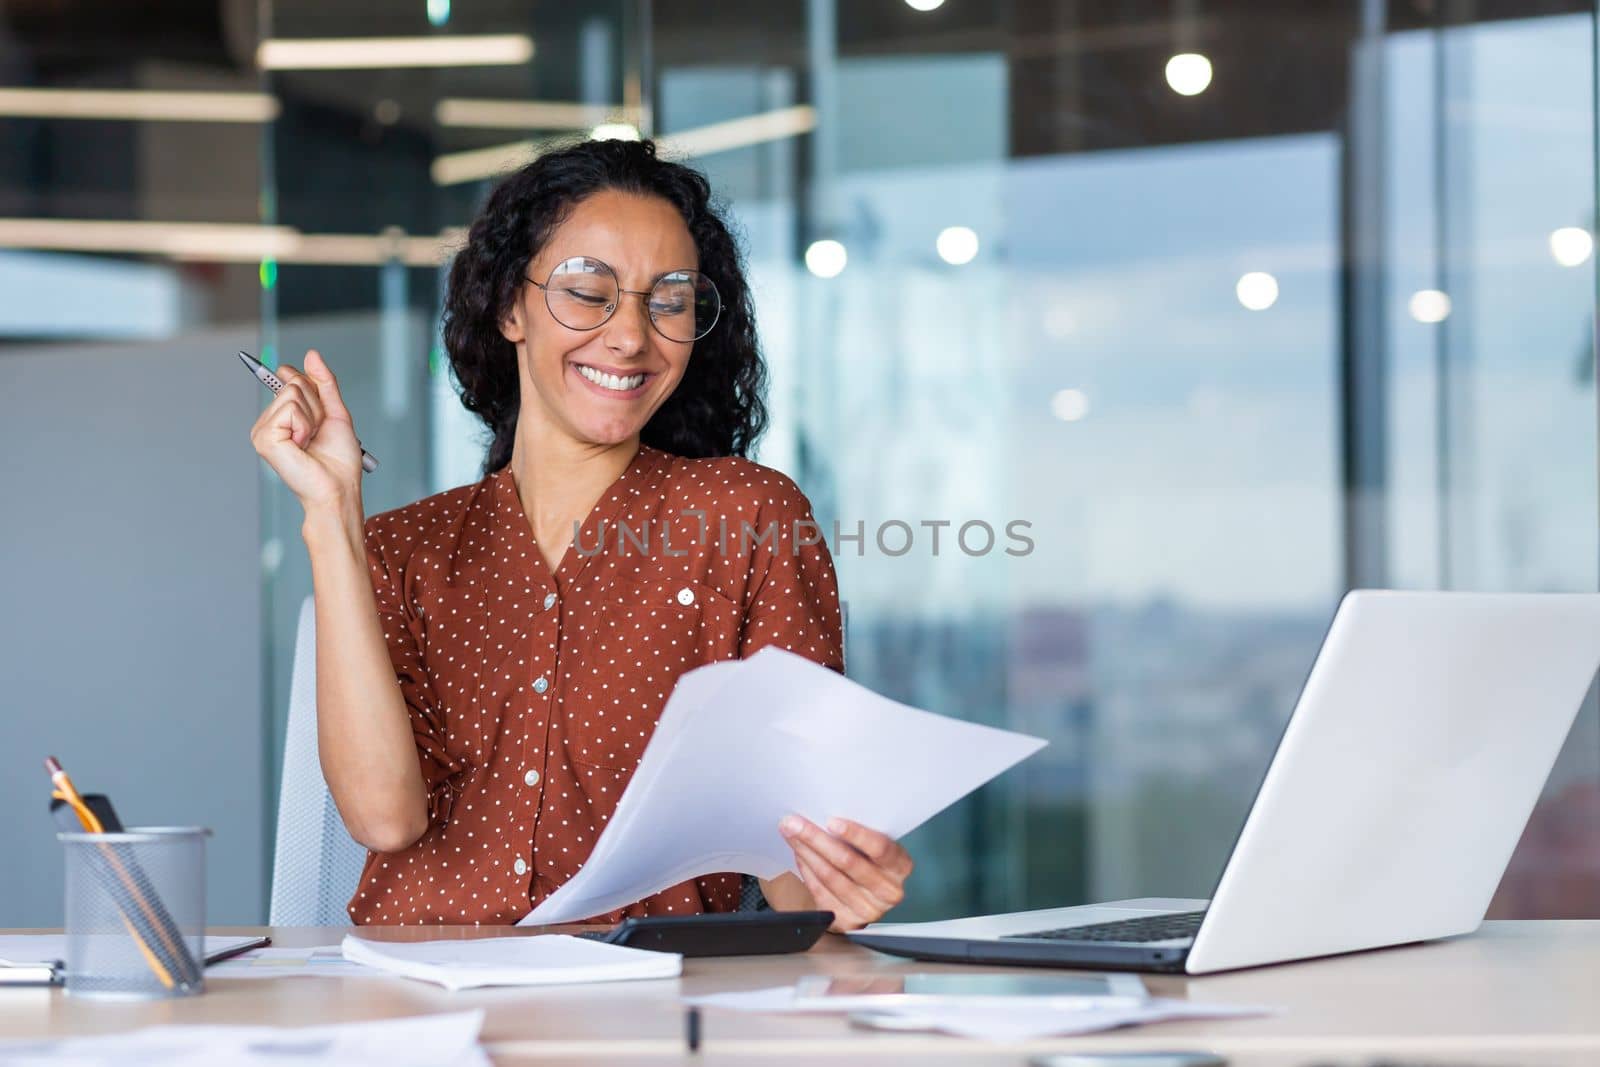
33	948
987	1018
988	1022
743	743
321	961
785	1000
419	1041
548	959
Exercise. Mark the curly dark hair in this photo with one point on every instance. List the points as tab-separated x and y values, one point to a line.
718	409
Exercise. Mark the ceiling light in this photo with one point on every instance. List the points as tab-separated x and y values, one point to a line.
137	105
1189	73
614	131
479	163
743	132
475	164
1430	305
826	259
212	242
1257	290
956	245
1571	245
357	53
520	114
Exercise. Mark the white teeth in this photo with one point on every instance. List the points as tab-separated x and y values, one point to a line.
611	381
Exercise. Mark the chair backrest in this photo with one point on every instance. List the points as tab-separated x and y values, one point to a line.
317	865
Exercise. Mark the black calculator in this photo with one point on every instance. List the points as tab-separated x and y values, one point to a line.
732	933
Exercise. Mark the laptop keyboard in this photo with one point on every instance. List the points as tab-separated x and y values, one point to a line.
1145	928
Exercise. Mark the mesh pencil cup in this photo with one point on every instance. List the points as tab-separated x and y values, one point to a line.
135	912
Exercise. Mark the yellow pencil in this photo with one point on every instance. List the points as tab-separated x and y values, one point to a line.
64	790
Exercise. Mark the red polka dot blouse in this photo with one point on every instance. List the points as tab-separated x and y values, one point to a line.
532	694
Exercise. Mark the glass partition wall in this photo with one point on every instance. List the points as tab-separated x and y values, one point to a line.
1111	342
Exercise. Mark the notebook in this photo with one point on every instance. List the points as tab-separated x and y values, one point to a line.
543	959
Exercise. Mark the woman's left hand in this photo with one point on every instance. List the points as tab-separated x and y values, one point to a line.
855	872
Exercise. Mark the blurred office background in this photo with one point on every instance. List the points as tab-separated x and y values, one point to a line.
1238	305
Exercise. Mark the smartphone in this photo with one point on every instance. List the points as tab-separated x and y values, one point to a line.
903	986
1129	1059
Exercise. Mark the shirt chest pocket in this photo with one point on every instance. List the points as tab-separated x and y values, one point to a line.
650	632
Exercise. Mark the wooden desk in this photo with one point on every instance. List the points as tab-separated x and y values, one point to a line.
1516	993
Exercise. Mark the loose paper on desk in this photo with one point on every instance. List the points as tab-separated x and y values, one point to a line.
31	948
743	743
419	1041
310	961
985	1018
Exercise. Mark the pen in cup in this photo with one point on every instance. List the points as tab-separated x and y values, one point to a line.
264	375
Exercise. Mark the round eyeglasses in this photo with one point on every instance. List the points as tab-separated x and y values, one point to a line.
583	294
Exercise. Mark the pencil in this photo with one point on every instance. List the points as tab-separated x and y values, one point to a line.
139	907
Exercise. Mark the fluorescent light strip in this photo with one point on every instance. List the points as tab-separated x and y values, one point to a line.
479	163
361	53
137	105
521	114
456	167
227	242
740	133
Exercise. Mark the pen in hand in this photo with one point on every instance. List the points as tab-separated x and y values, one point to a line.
264	375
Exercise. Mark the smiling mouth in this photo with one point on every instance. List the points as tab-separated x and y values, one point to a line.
623	384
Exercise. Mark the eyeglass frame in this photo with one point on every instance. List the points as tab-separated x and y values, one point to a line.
544	287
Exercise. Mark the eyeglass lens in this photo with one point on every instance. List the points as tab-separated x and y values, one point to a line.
583	293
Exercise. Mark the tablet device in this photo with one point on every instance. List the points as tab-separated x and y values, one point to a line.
733	933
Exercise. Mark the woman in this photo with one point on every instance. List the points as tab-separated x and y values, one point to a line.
599	323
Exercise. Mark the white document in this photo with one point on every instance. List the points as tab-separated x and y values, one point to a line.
985	1018
545	959
321	961
36	948
419	1041
743	743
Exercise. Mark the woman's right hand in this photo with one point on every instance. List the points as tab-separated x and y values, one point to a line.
306	435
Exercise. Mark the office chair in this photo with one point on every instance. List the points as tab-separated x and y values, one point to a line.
317	865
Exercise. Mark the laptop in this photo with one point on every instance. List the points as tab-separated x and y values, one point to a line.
1404	778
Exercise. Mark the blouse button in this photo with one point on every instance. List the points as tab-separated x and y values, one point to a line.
549	601
521	866
540	684
532	777
686	596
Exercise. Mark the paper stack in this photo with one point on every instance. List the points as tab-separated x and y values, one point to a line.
743	743
548	959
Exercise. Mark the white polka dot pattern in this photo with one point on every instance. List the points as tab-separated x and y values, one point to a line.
533	693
